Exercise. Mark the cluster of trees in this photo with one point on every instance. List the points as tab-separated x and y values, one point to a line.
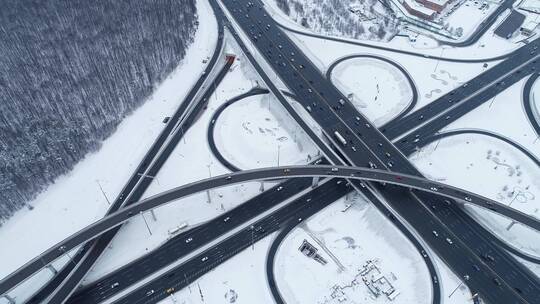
70	71
334	17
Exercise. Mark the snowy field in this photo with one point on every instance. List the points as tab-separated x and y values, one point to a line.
258	132
469	16
75	199
380	93
347	240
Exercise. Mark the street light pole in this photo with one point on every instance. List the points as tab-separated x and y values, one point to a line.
103	192
278	148
146	223
466	277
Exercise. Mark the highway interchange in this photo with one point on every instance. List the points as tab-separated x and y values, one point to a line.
502	279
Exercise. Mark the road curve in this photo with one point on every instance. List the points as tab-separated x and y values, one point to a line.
211	127
351	173
530	155
527	103
210	132
414	89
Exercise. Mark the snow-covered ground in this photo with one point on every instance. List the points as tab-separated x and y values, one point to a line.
75	199
257	132
353	237
380	90
468	16
453	289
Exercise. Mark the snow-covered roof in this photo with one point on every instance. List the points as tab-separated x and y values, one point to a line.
418	7
439	2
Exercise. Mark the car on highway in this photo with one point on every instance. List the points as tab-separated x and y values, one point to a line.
475	267
189	239
435	233
279	188
150	292
449	241
204	259
226	219
488	257
114	285
170	290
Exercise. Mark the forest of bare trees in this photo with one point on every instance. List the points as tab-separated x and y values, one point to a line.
359	19
70	71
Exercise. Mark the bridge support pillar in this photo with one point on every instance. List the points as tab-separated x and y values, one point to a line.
510	226
9	299
315	182
261	188
52	269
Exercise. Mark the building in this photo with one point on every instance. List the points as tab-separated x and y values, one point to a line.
528	28
418	10
436	5
510	25
310	251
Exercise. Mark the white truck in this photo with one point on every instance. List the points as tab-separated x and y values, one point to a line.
340	138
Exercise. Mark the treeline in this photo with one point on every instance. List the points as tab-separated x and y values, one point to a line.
70	71
359	19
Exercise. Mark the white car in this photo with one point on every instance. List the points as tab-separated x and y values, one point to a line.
204	259
189	239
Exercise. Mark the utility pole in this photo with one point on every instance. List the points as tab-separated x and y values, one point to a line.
103	192
146	223
438	60
200	292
